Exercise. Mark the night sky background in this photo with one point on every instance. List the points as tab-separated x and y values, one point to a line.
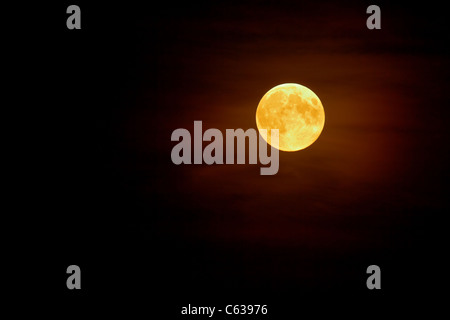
153	236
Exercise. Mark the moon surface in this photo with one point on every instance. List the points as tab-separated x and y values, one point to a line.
297	113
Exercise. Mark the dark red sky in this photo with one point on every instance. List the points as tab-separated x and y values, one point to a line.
375	157
368	191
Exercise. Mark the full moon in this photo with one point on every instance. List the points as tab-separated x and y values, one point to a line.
297	113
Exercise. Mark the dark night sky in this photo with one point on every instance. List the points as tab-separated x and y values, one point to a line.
369	191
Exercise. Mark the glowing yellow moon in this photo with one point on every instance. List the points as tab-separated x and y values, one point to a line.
297	113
